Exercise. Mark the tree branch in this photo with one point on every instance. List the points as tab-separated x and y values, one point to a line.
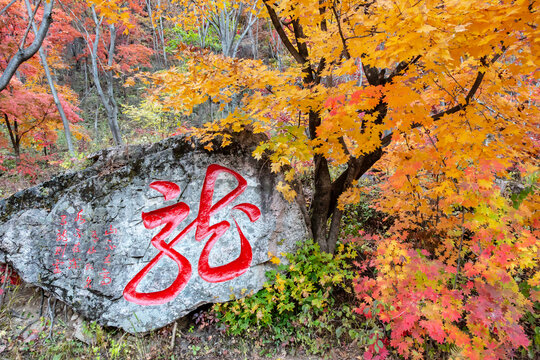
356	168
299	35
402	67
24	54
343	41
454	109
30	22
474	88
7	7
284	38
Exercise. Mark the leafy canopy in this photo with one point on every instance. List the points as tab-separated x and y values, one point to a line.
435	56
442	97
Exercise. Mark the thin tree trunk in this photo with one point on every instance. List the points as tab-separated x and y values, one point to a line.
14	137
85	77
154	36
50	80
162	36
57	102
203	32
96	128
107	99
113	116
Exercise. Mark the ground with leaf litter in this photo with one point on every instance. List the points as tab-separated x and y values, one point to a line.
36	326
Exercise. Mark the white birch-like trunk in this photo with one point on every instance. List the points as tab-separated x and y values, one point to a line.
43	58
226	23
107	99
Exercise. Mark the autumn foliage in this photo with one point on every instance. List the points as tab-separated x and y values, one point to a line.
441	99
433	105
29	116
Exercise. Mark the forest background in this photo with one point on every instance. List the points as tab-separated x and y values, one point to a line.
407	131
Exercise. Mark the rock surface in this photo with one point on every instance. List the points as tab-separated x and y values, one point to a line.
82	237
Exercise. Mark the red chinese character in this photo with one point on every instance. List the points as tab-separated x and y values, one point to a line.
56	265
91	250
171	216
107	259
79	233
111	246
63	220
106	279
60	250
94	236
88	283
76	248
88	267
110	231
73	263
62	235
79	218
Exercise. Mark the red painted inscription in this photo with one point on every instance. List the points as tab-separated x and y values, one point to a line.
171	216
73	246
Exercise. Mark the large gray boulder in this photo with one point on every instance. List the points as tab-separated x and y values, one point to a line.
82	236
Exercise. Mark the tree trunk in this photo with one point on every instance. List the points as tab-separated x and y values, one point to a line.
107	100
50	80
154	36
320	202
113	115
14	137
162	36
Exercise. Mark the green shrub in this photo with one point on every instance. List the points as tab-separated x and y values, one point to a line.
304	301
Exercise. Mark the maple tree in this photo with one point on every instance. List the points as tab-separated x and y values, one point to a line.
31	112
367	73
441	98
11	64
31	118
436	100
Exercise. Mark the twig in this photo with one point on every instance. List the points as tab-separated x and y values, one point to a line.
6	276
42	302
51	315
25	328
173	337
460	245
